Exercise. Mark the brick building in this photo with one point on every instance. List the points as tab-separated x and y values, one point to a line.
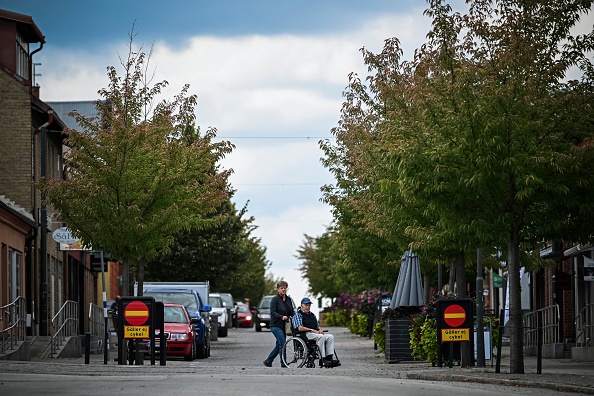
32	265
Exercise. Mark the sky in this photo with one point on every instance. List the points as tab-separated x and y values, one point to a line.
269	76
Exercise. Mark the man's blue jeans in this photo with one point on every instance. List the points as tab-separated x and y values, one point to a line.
279	334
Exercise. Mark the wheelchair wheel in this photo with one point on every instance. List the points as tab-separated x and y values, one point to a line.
294	353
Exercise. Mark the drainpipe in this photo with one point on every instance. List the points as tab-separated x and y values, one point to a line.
31	65
43	324
30	273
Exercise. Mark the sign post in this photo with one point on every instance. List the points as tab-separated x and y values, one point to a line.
454	324
137	322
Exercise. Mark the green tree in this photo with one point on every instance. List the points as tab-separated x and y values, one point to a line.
132	181
318	265
226	255
480	140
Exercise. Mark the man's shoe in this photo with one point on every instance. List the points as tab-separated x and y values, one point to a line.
336	363
328	363
267	364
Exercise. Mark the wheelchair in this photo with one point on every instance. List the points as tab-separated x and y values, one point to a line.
299	352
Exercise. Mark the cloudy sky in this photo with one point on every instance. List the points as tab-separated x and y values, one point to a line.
269	75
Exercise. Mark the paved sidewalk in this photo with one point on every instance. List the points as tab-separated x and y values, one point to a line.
358	357
565	375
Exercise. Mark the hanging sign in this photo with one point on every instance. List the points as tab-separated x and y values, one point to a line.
64	235
497	280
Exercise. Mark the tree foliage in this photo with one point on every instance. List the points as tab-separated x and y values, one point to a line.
132	181
226	255
479	141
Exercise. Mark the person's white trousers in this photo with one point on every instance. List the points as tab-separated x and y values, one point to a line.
325	342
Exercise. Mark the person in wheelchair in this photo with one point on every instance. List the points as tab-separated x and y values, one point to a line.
306	321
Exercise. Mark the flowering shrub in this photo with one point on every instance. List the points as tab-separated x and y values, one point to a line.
336	318
356	311
423	330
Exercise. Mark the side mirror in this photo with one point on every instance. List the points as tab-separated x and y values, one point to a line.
224	304
206	308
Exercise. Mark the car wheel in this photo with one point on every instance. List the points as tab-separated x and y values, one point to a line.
192	354
258	328
201	351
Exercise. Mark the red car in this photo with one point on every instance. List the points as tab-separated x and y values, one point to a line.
244	316
179	332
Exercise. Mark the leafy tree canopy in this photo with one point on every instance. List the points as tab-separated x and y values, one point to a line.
132	181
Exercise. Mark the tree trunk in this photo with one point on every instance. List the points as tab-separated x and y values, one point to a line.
140	276
460	275
452	280
125	278
426	287
516	344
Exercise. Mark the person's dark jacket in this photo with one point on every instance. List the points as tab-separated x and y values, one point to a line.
278	309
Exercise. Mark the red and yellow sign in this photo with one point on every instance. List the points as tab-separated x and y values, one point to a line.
136	313
454	315
136	332
455	335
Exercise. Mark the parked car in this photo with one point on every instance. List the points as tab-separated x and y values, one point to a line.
263	312
244	316
216	302
191	300
179	333
230	304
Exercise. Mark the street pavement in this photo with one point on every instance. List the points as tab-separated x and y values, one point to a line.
358	357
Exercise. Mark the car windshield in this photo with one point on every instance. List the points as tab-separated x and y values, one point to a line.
227	299
175	315
188	300
215	301
243	308
265	303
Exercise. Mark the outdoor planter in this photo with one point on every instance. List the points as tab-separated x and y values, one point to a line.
398	340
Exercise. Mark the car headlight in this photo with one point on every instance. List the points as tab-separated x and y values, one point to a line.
180	337
264	316
248	317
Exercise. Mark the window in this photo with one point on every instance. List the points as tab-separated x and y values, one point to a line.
22	60
14	274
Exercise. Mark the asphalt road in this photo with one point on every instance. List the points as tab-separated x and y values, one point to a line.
235	368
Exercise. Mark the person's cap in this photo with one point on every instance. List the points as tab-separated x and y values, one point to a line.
305	300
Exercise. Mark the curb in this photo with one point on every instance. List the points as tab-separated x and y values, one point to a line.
502	381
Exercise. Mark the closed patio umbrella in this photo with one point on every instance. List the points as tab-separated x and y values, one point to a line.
409	289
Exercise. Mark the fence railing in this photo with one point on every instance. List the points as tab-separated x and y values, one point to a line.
545	320
584	326
96	328
65	324
13	323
